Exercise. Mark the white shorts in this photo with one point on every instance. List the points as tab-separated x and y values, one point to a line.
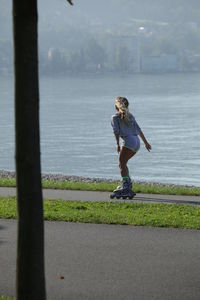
131	142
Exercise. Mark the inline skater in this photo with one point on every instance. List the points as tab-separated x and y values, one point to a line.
125	127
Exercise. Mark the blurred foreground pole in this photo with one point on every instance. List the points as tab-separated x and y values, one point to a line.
30	280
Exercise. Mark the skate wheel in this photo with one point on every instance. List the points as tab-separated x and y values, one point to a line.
112	196
118	197
130	197
124	197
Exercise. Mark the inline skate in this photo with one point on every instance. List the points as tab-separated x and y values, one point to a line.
123	192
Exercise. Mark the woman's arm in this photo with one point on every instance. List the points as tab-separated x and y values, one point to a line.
147	145
117	137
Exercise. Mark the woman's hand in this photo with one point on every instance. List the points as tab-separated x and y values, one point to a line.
118	148
148	146
117	137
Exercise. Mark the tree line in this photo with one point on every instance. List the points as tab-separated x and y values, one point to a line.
77	53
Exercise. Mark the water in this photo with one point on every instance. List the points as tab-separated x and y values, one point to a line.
77	139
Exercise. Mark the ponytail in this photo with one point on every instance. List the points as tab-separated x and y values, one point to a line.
121	105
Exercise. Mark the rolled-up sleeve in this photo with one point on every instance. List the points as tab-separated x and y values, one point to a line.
115	124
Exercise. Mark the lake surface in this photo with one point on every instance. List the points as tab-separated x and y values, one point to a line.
77	138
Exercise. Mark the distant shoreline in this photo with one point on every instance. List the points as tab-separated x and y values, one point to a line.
102	74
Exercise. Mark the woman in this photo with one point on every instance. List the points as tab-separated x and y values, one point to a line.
125	127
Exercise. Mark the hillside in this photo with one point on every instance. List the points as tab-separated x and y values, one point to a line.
55	15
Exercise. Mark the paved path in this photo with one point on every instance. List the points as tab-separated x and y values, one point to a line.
110	262
104	196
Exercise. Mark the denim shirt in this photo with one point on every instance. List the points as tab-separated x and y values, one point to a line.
123	128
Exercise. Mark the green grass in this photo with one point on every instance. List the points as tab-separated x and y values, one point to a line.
151	188
140	214
6	298
7	182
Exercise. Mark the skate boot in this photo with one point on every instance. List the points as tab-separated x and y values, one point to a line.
124	192
131	188
119	187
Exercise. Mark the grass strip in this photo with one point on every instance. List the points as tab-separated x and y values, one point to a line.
7	182
146	188
138	214
6	298
151	188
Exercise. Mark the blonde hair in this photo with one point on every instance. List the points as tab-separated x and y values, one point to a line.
121	104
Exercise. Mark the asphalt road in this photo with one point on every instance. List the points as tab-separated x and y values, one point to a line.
104	196
110	262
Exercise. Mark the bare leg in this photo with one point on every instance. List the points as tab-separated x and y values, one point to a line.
124	156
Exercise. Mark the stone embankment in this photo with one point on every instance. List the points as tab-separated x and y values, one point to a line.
62	177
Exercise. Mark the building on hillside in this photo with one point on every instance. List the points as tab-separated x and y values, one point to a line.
190	62
162	63
123	53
